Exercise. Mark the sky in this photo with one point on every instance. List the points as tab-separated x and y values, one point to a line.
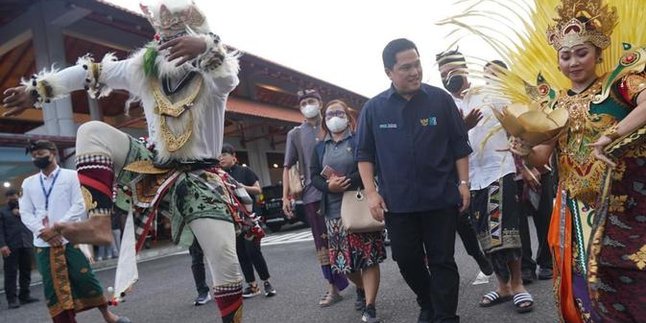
338	41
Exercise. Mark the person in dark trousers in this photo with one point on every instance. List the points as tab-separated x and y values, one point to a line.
537	199
199	273
299	148
17	249
413	138
249	253
458	88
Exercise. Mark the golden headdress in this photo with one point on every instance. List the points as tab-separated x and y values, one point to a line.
516	30
581	21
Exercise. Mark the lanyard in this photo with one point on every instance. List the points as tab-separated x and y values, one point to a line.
48	192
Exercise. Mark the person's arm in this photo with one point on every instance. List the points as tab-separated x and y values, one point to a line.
251	178
460	149
49	85
317	179
210	56
462	167
291	157
633	121
4	249
540	155
28	212
376	202
253	189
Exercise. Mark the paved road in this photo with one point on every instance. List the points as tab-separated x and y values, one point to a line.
165	293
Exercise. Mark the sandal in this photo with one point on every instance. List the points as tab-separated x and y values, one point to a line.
526	299
329	299
493	298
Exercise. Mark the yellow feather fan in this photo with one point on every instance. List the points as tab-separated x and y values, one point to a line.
520	38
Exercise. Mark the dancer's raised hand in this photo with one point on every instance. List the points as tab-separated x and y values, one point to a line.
16	100
184	48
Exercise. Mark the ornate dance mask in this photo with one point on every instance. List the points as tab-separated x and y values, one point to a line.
172	18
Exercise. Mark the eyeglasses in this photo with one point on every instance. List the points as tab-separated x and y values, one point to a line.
337	113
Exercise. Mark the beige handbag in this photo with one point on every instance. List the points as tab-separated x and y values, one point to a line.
295	182
355	213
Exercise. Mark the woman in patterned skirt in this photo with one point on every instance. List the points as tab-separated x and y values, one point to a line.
334	171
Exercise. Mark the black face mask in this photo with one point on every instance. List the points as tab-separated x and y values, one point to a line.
42	162
454	83
13	204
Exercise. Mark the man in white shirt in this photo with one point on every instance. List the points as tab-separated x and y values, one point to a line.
54	196
494	205
457	87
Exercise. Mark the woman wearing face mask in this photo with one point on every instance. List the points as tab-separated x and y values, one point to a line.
597	229
334	171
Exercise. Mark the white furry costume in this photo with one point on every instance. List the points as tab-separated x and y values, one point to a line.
186	128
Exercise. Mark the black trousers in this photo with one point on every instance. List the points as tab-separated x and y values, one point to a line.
468	236
431	235
250	256
19	261
542	218
197	266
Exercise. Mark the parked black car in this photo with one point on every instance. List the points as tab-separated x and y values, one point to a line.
270	205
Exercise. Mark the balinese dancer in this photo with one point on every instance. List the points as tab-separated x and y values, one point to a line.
182	80
598	232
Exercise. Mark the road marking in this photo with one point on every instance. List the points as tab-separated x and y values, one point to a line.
287	238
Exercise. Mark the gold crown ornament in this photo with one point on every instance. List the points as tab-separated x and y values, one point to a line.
174	17
581	21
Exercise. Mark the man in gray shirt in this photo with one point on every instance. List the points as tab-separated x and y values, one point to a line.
299	148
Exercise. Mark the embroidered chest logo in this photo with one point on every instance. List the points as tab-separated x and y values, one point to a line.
388	126
430	121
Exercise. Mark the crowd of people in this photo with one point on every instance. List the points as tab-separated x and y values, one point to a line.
430	162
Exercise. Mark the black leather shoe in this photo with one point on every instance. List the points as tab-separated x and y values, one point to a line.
28	300
529	276
424	316
545	273
14	304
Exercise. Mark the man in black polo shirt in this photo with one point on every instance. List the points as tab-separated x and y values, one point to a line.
413	136
249	253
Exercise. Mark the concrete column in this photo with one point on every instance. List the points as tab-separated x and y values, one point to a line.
49	49
95	110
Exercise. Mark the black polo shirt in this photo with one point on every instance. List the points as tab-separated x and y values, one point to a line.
414	145
243	175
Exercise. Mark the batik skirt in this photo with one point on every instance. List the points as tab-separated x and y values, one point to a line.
351	252
68	280
495	213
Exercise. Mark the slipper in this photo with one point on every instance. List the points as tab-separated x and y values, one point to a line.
494	298
523	298
329	299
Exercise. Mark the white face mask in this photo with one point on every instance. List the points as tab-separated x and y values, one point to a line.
310	110
336	124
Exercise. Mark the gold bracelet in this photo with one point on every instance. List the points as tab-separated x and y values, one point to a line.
612	132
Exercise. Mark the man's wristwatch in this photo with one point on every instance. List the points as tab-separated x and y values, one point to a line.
465	183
